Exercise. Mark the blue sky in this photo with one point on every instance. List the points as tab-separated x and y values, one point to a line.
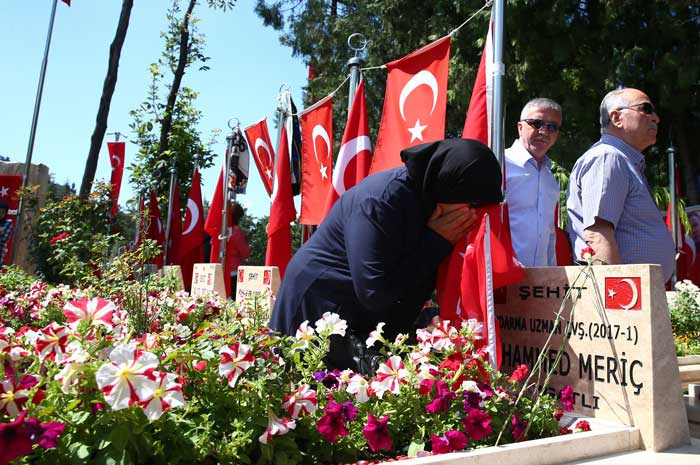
248	66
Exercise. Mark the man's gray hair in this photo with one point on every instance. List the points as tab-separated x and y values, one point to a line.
612	101
541	103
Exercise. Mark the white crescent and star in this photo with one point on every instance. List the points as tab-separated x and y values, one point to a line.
423	77
635	295
116	162
193	209
348	151
4	191
320	131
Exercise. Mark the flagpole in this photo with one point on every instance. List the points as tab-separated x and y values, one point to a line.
490	311
354	64
168	225
671	152
498	75
32	132
224	208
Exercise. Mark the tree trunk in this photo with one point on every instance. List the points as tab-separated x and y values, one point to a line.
115	51
167	122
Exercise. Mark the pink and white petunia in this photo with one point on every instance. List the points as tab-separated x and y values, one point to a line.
235	359
97	311
167	395
276	427
390	375
360	388
12	397
51	341
302	401
331	323
304	335
128	377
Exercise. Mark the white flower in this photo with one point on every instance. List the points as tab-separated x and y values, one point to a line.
376	335
304	334
167	395
276	427
359	386
235	359
473	329
73	364
330	323
128	377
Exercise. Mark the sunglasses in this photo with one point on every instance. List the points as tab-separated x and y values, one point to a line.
647	108
539	124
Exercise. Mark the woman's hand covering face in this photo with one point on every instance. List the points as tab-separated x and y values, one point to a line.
452	220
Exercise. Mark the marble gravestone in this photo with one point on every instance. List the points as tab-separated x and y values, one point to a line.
208	278
619	358
257	285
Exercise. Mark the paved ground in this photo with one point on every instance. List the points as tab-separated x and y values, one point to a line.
687	455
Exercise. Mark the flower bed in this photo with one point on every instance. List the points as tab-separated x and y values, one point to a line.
87	379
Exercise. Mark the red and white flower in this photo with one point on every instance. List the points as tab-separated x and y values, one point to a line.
331	323
276	427
73	366
52	341
302	401
12	397
390	375
128	377
167	395
360	388
235	359
97	311
304	335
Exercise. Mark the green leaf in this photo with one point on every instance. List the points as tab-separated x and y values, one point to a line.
120	436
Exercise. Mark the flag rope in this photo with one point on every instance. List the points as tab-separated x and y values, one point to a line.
487	4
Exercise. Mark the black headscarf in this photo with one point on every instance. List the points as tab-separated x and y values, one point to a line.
454	171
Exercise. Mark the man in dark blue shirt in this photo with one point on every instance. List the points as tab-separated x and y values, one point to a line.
375	256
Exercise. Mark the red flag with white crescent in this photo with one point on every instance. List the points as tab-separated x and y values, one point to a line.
155	228
282	211
263	152
175	237
316	159
116	158
355	155
478	122
192	237
414	103
10	184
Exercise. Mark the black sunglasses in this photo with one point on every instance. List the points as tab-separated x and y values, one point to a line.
539	124
647	108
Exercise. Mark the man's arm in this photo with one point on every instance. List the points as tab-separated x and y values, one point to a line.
601	238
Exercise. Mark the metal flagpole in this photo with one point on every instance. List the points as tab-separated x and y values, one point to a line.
490	312
168	224
223	236
671	152
498	75
32	132
354	64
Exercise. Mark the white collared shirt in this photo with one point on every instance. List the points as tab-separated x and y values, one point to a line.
532	193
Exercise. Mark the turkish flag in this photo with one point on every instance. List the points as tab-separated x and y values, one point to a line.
116	159
192	238
316	159
10	184
478	121
155	228
263	153
461	282
355	155
562	245
282	211
685	255
175	230
623	293
414	103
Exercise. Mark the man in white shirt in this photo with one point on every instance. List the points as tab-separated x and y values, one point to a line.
532	191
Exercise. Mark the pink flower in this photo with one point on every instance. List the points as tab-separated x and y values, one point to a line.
128	377
276	427
14	440
376	432
452	441
12	397
519	374
52	341
477	424
167	395
58	237
303	401
235	359
566	396
97	311
44	434
390	375
442	399
332	423
519	428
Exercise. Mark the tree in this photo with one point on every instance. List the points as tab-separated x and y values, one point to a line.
115	51
573	52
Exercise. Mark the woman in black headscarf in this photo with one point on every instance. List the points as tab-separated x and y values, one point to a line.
375	256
